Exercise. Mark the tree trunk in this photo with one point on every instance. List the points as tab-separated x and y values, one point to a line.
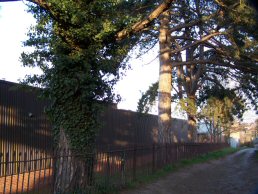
73	171
165	81
192	128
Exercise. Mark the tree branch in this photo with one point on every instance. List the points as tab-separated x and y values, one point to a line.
137	27
238	65
192	23
203	39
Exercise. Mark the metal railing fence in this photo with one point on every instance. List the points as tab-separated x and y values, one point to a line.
112	168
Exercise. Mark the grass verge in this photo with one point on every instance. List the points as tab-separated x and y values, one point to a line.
145	179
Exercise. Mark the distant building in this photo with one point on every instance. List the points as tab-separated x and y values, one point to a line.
242	134
204	135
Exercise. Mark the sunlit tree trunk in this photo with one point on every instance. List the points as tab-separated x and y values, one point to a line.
165	81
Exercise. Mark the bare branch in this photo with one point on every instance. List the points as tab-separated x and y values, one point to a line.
193	23
243	66
203	39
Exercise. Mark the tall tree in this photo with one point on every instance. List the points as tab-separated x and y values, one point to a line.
213	42
80	47
165	80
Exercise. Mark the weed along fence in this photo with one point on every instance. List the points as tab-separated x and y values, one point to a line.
112	168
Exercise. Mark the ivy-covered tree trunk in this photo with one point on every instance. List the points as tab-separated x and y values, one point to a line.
78	47
165	81
74	144
73	171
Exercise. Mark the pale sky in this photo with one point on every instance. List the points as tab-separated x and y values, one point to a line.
14	24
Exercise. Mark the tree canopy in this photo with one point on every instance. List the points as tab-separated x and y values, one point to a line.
76	46
81	45
213	43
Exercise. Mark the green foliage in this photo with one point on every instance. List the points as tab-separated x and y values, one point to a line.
76	48
148	99
219	107
187	105
221	103
231	55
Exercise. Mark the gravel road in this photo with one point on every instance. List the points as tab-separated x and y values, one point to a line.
235	174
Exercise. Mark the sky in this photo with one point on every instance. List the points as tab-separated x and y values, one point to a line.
14	24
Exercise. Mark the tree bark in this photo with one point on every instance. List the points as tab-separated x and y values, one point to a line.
138	26
165	81
192	126
73	172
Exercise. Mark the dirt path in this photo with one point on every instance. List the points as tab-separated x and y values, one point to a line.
235	174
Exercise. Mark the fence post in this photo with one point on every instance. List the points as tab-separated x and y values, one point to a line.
12	169
166	153
123	168
1	164
153	158
6	169
29	171
134	161
108	166
18	171
40	169
24	169
35	158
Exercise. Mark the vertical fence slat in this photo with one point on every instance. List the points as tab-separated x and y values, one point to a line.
18	172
